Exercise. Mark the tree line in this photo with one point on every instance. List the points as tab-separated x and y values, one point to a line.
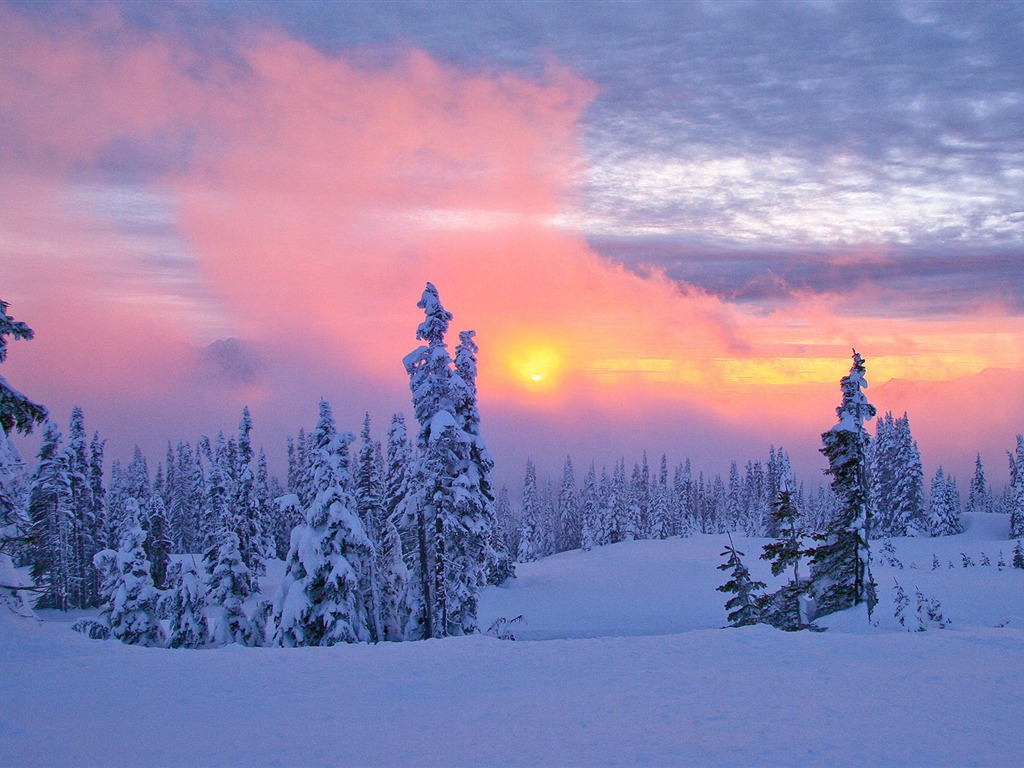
393	542
394	546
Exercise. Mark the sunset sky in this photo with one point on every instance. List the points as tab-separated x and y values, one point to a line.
668	222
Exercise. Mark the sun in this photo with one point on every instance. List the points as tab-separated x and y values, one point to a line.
534	365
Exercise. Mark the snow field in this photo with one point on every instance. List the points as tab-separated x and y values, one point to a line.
629	668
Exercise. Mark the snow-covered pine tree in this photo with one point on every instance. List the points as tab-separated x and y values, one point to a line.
508	524
485	551
885	521
52	554
590	511
98	493
17	412
744	605
84	532
758	502
618	526
1016	493
160	541
267	489
782	608
137	482
132	610
227	585
733	503
841	563
979	499
399	465
448	499
908	489
570	528
943	513
127	482
953	503
685	518
639	495
661	503
320	600
186	604
245	507
393	582
369	497
15	530
715	507
531	529
216	515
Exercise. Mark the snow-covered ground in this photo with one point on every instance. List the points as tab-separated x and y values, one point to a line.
620	661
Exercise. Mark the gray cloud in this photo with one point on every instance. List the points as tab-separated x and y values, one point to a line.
781	133
903	281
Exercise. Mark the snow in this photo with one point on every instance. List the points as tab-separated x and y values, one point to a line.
620	661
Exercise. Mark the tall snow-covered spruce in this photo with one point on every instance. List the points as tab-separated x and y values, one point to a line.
450	504
841	564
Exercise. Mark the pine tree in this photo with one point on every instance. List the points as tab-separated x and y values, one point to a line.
266	510
736	520
508	524
98	494
320	600
160	542
190	501
1017	490
486	560
885	518
393	584
744	606
782	608
53	553
83	527
661	503
841	564
618	526
1018	555
132	610
245	509
954	505
369	493
979	499
186	604
450	499
682	480
902	610
15	530
216	516
943	508
16	411
569	524
787	550
227	586
590	511
531	532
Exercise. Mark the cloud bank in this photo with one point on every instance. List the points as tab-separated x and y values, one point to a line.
161	191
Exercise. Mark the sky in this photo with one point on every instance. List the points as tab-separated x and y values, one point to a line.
669	223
